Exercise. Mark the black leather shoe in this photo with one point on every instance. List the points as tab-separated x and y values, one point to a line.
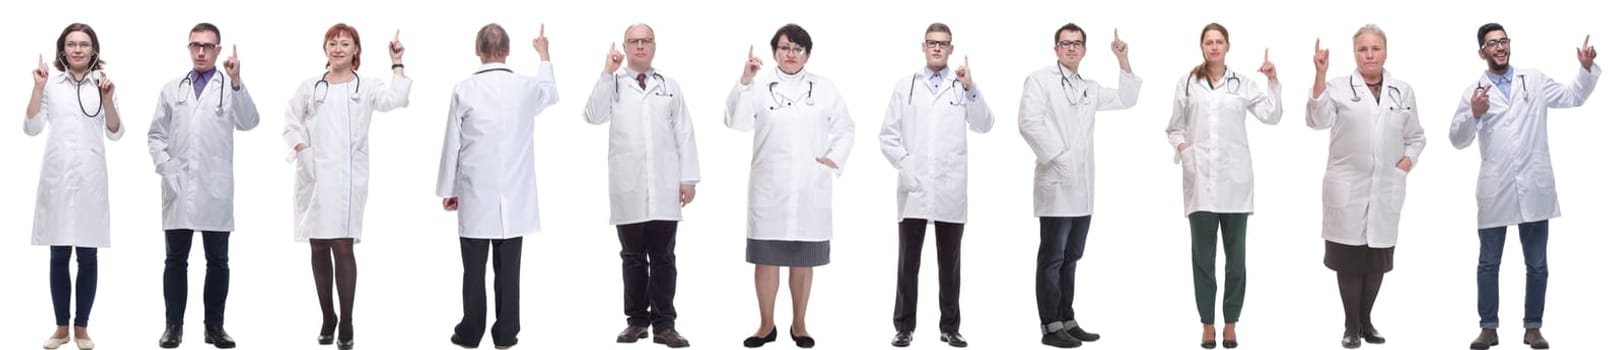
1061	339
324	339
756	342
805	342
1373	336
463	343
1083	335
1208	344
216	335
1350	340
346	344
1487	338
902	339
1535	339
171	337
671	338
954	339
631	334
1230	343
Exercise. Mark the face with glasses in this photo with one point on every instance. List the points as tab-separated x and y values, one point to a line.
639	46
77	49
1496	50
1071	47
204	47
791	57
937	47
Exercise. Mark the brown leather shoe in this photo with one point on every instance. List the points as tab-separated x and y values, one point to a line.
631	334
670	338
1535	339
1487	338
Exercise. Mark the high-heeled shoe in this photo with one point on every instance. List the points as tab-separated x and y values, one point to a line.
756	342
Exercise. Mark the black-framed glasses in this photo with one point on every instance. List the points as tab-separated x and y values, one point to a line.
938	43
1500	42
202	46
1072	44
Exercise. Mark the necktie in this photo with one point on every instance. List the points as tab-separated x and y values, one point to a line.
641	81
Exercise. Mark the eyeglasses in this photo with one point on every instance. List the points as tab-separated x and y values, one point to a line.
938	43
640	42
78	45
1500	42
1072	44
202	46
792	50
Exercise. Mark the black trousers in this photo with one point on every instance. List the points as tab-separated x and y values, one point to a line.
216	281
948	244
648	267
506	265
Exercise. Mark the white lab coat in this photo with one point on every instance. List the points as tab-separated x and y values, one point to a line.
488	159
1363	187
652	151
1516	183
191	140
71	207
1217	174
924	136
799	120
330	182
1060	133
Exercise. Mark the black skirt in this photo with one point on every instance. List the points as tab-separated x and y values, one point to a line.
1357	259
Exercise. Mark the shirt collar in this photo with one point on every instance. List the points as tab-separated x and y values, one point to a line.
1501	79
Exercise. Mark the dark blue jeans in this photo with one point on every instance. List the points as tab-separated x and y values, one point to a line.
62	286
216	281
1535	240
1061	246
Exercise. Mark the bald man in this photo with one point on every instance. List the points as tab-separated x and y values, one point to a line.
487	176
653	168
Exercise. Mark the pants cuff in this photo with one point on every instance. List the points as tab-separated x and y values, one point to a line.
1053	327
1490	325
1533	324
1071	324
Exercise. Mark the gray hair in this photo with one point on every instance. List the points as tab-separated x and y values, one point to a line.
1371	29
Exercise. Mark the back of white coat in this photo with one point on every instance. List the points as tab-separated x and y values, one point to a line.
488	159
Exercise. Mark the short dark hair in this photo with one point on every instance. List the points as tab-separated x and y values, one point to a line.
938	28
62	47
1071	27
1482	32
795	34
493	40
207	27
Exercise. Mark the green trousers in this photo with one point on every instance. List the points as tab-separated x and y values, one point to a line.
1203	234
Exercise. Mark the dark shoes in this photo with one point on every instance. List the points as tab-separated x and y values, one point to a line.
463	343
216	335
756	342
171	337
1373	337
1061	339
902	339
670	338
1350	340
1535	339
631	334
1487	338
1079	334
954	339
805	342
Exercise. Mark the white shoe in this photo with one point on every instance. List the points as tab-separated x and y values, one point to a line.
84	343
53	343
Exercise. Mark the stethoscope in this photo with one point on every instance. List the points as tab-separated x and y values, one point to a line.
186	81
782	102
1231	82
1527	95
1397	94
661	92
321	98
1066	85
958	95
79	85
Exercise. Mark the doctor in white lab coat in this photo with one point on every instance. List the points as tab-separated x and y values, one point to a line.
71	212
1057	108
803	136
487	175
328	120
653	173
1375	140
1507	109
192	138
925	136
1208	132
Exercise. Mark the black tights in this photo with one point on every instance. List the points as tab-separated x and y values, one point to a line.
1358	291
323	254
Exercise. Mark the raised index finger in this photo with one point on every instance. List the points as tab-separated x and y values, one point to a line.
233	50
1265	54
1586	40
543	29
966	61
752	51
1315	45
1116	32
396	35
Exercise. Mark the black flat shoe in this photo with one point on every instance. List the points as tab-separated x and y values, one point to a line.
805	342
902	339
1373	337
1230	344
756	342
954	339
1208	344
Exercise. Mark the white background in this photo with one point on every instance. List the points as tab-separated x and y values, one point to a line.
1134	283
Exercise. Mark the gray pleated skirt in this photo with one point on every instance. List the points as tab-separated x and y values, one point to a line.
786	253
1357	259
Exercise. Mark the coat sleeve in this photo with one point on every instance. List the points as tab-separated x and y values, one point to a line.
979	113
451	150
1414	136
1178	125
1266	105
1124	96
686	142
396	95
842	134
158	133
295	132
891	142
544	92
1321	111
1462	129
741	108
1036	123
243	109
1573	94
600	104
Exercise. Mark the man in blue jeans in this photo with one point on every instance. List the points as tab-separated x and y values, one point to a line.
1506	108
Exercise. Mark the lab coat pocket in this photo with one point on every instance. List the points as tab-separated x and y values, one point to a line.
907	178
1186	158
171	180
1057	172
823	189
627	172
